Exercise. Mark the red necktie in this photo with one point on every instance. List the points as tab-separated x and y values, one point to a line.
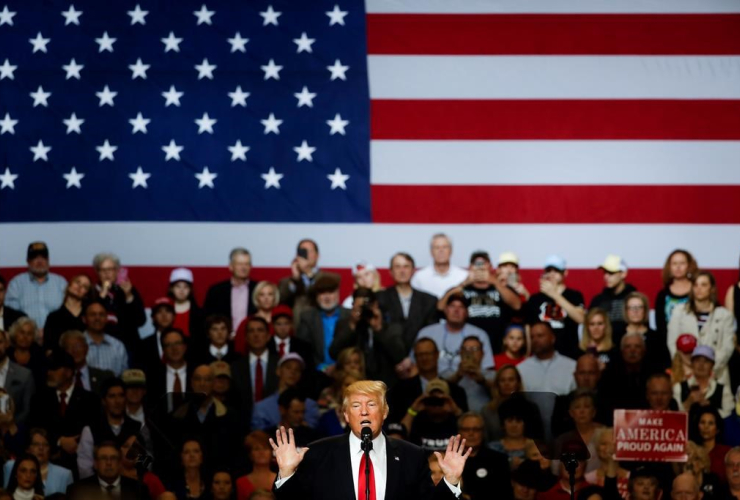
361	481
78	380
281	348
258	381
63	403
177	386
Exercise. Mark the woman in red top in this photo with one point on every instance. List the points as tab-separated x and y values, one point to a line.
258	448
515	347
706	430
188	316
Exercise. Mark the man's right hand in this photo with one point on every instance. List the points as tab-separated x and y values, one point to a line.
287	455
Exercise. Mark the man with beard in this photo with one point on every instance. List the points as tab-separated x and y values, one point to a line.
16	380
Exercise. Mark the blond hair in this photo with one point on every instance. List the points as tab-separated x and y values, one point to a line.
369	388
586	339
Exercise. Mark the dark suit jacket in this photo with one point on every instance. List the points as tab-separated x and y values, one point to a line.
20	386
147	358
422	312
241	385
156	382
311	330
130	316
326	473
97	377
90	489
10	315
218	299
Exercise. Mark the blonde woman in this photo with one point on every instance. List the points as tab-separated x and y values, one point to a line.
265	297
365	276
597	337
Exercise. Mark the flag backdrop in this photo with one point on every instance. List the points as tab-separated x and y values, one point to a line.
171	131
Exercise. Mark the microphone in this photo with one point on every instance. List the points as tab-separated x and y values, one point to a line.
367	439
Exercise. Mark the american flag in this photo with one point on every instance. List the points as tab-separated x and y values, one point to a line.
171	131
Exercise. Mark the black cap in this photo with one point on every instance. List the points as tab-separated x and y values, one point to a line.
457	297
36	249
60	359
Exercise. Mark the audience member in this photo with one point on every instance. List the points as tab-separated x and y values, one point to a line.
681	369
659	393
439	277
152	483
135	383
317	325
104	351
25	479
332	422
732	298
295	290
292	406
89	378
120	298
265	298
190	481
469	375
449	337
701	388
527	480
107	481
218	347
18	381
561	490
283	339
405	305
189	316
55	479
233	298
434	469
547	370
637	317
222	485
24	351
604	448
513	416
705	429
557	305
222	383
615	292
432	417
173	374
597	337
507	273
365	276
38	291
163	318
686	487
8	315
625	378
582	410
732	471
679	270
698	466
586	375
507	382
69	315
711	324
515	348
486	471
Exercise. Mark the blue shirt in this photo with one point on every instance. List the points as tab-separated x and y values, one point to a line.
110	354
36	299
266	414
329	322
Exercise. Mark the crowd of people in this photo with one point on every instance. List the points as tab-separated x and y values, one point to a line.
90	404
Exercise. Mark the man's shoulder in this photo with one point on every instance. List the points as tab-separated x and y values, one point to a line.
309	314
474	331
57	278
219	286
564	361
112	340
431	330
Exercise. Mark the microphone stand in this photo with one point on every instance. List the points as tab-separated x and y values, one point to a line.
367	445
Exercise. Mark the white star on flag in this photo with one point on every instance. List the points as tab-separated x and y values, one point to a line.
272	179
139	69
73	69
139	123
40	97
205	70
238	98
7	124
304	43
138	16
336	16
39	43
238	152
238	43
305	152
40	151
171	43
72	16
338	71
270	16
6	17
205	178
305	97
172	151
106	151
337	125
272	124
8	178
7	69
106	96
73	124
139	177
105	43
205	124
338	179
172	96
73	178
271	70
204	15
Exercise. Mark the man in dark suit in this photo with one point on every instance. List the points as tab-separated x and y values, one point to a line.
107	481
173	374
334	468
8	315
255	375
317	324
284	342
63	409
412	309
163	317
18	381
233	297
89	378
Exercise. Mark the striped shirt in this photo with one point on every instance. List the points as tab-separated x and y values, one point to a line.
110	354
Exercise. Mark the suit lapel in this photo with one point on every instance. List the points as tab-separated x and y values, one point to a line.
344	470
393	468
396	304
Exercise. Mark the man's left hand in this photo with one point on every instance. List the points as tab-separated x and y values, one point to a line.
453	461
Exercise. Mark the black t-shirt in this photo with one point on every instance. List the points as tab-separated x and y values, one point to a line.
488	311
432	436
486	475
540	307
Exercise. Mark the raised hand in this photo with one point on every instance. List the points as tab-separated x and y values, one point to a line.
453	462
287	455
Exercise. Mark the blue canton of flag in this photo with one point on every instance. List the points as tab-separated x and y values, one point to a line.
177	110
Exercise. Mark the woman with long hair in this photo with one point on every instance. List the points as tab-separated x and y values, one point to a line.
710	323
192	483
515	347
507	382
257	445
188	315
604	441
637	319
25	479
69	316
365	276
55	479
597	337
222	485
705	429
679	269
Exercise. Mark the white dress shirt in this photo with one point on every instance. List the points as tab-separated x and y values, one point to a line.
286	340
182	373
116	491
68	392
264	358
427	279
218	353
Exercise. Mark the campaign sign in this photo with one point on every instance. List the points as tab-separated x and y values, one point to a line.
647	435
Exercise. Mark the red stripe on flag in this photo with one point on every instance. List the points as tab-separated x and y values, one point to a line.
556	204
556	119
554	34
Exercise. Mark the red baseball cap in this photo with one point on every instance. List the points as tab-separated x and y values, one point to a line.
686	343
163	302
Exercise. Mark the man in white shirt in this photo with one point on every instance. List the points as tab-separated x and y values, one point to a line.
397	469
441	275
